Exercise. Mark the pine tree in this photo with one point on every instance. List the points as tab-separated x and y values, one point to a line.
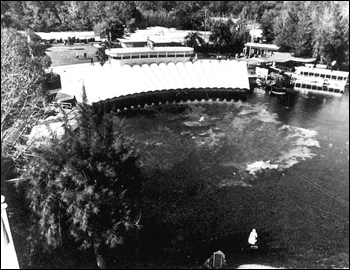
331	39
84	187
303	43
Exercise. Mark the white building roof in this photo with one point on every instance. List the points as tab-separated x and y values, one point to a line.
271	47
106	82
65	35
138	39
147	49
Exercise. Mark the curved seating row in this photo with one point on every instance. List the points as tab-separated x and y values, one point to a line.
168	96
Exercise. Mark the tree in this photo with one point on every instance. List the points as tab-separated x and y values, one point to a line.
83	188
239	35
303	44
101	55
23	97
190	14
193	39
109	29
220	35
267	25
285	29
331	38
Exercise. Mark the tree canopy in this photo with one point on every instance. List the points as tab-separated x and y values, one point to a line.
314	28
305	28
23	96
84	187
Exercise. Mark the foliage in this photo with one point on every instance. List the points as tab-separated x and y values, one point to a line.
267	25
303	43
293	30
23	96
316	28
109	29
285	30
84	187
160	18
240	35
220	35
190	14
193	39
304	28
331	39
101	55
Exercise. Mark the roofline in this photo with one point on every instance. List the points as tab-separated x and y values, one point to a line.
323	70
263	45
147	49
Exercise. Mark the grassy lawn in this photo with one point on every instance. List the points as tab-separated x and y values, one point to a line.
66	55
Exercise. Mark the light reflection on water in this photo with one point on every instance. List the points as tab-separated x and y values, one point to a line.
242	139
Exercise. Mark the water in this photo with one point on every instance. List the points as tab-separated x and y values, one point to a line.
244	136
256	143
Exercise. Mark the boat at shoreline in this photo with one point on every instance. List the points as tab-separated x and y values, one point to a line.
320	80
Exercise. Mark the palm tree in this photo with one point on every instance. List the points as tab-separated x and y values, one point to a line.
193	39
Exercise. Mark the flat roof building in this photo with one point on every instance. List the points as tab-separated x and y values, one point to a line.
260	49
143	55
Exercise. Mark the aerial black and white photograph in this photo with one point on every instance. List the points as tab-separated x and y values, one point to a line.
174	134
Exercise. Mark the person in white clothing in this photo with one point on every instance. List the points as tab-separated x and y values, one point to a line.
253	238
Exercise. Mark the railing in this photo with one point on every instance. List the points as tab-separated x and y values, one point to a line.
8	253
318	87
151	55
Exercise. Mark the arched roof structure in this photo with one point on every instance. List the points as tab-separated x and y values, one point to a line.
111	82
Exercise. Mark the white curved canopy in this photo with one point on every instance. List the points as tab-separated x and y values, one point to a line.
107	82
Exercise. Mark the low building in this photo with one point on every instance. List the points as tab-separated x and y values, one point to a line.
259	49
143	55
142	42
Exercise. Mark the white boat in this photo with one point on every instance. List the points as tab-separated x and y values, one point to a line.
319	80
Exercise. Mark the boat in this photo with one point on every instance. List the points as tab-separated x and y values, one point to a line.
319	80
278	90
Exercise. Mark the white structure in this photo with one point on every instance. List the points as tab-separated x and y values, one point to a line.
162	35
8	253
319	80
65	35
111	81
259	49
143	55
142	42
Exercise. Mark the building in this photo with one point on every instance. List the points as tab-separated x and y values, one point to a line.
143	55
131	80
259	49
142	73
142	42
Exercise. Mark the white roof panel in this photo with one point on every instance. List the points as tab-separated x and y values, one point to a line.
108	82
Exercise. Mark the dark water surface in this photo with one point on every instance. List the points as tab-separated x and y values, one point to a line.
297	153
